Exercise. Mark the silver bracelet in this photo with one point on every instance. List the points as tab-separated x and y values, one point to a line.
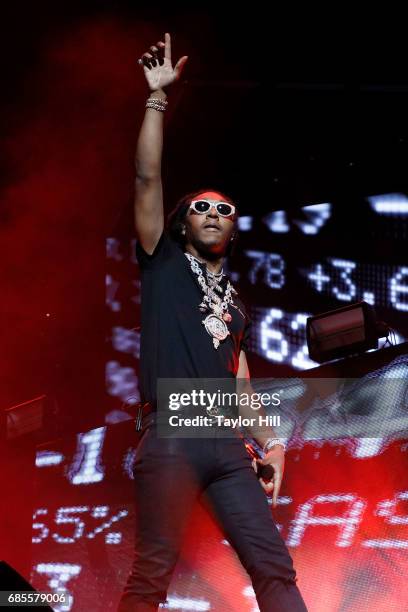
156	107
159	100
271	442
157	104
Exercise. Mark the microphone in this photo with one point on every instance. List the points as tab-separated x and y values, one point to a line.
266	472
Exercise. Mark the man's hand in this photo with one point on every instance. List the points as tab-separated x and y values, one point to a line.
157	65
276	458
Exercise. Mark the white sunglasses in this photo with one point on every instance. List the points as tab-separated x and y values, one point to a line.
224	209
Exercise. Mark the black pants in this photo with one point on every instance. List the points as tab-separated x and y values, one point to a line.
170	473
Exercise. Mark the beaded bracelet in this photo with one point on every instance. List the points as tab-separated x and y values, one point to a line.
157	104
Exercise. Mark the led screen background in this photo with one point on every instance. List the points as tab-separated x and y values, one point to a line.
287	266
333	514
343	512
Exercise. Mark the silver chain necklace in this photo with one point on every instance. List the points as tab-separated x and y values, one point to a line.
216	321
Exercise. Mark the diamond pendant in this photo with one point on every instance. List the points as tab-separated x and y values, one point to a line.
217	328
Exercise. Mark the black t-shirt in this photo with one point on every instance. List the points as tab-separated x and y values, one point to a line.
174	342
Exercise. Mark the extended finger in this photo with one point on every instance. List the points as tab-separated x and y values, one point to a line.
167	46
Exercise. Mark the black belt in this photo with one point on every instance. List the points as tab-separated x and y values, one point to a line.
145	416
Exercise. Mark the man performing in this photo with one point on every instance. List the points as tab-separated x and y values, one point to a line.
194	326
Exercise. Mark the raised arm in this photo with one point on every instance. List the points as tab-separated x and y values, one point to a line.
160	75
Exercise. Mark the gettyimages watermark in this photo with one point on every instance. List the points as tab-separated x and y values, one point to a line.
196	407
292	409
214	404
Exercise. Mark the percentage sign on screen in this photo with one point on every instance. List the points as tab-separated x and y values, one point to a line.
111	537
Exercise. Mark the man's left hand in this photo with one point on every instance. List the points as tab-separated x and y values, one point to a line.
276	458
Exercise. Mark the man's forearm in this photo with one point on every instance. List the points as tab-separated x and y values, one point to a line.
150	142
261	433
